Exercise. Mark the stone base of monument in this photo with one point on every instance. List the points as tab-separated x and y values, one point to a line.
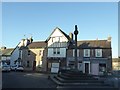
77	79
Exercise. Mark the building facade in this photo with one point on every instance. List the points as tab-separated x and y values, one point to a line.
56	50
6	55
16	55
93	56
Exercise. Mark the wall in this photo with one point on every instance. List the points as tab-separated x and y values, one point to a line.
14	56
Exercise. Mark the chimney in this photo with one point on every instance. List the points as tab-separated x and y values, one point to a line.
96	38
30	39
71	36
3	48
22	42
109	38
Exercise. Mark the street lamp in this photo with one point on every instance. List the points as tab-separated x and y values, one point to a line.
76	33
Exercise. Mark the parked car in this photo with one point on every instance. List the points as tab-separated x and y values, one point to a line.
6	68
13	68
19	68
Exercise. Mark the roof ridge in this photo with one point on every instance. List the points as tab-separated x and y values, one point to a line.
94	40
38	41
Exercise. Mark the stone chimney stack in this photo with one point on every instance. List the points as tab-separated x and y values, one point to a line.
109	38
3	48
71	36
31	39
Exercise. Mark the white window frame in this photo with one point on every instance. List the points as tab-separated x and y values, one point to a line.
86	51
73	52
54	50
77	52
21	54
98	51
58	50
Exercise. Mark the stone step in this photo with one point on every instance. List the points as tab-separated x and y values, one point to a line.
76	78
86	88
80	81
76	84
76	75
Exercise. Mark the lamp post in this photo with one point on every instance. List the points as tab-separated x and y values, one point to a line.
76	33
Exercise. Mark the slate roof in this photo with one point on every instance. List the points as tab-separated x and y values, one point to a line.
92	44
7	52
40	44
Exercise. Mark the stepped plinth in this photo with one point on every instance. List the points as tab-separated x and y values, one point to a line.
75	78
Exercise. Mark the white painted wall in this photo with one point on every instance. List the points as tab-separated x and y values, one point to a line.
57	35
53	42
14	56
62	53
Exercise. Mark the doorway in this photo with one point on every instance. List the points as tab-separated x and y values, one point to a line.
86	67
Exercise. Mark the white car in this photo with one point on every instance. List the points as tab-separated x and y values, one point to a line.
13	68
19	68
6	68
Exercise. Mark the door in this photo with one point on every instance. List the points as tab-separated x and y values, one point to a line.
87	68
55	68
80	67
34	65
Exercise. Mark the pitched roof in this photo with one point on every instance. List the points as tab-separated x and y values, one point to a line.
7	52
40	44
67	36
92	44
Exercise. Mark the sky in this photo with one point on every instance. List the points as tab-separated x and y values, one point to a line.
38	19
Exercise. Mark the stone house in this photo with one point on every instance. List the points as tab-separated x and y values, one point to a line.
94	56
16	54
33	55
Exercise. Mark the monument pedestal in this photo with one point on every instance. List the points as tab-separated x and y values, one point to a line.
75	78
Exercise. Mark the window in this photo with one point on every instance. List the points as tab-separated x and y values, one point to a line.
28	52
57	39
53	39
41	53
58	50
74	53
102	67
21	54
54	50
27	63
98	52
86	52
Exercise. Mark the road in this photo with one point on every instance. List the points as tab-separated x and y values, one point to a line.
35	80
26	80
